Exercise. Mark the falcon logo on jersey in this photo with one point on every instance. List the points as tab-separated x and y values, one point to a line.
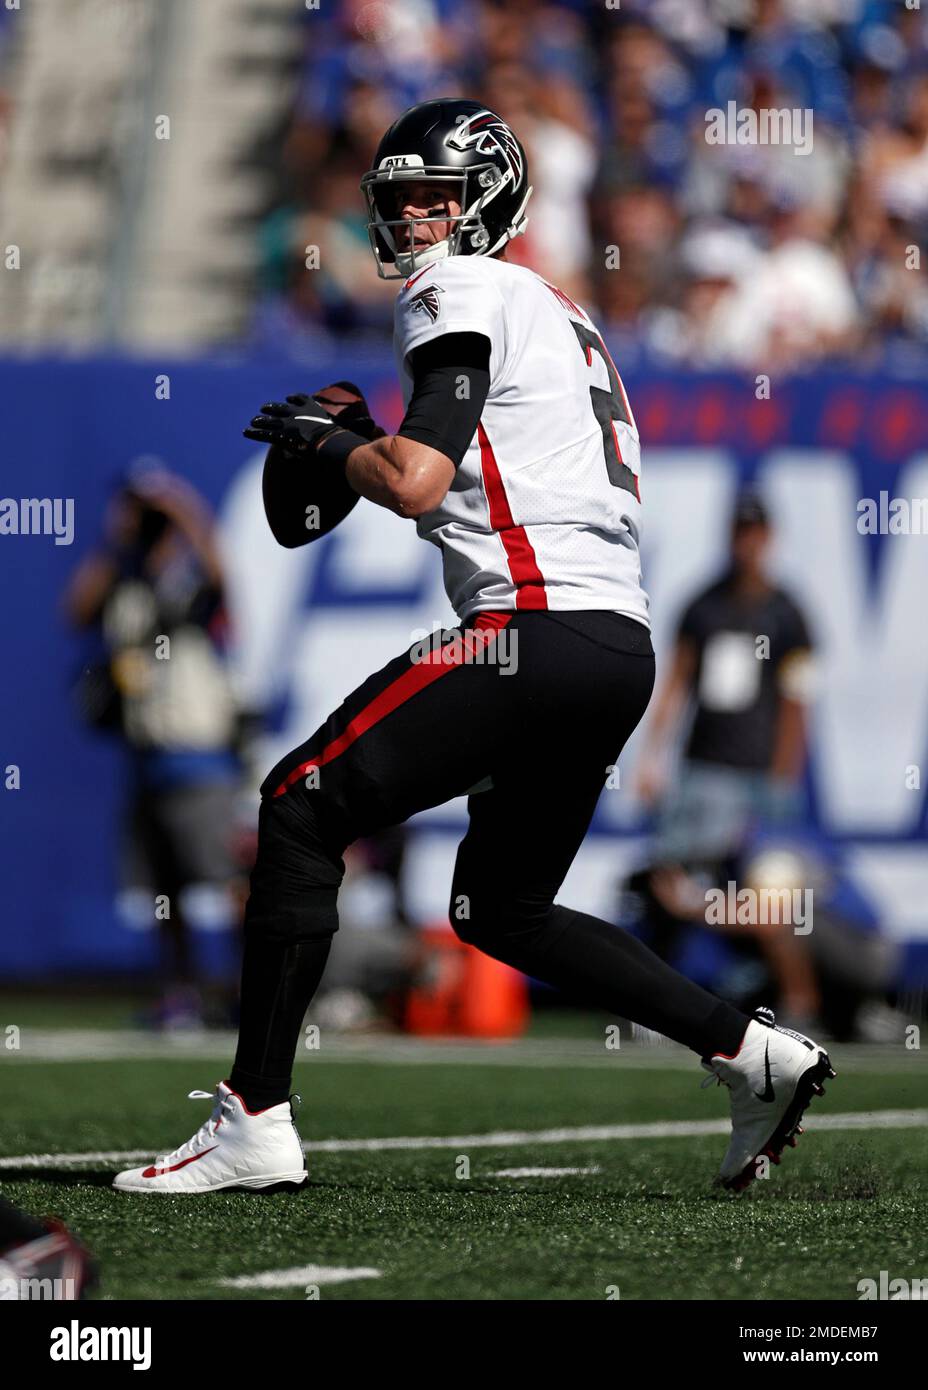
426	301
487	134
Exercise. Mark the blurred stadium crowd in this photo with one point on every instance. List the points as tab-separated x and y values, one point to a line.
736	255
165	168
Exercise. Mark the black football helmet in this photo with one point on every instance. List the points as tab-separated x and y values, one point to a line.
445	142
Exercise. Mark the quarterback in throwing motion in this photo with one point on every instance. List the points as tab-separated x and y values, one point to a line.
519	457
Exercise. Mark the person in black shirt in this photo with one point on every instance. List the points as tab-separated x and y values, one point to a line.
743	659
743	664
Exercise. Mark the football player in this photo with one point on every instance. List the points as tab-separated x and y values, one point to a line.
519	457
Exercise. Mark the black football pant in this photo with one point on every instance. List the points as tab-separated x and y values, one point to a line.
527	712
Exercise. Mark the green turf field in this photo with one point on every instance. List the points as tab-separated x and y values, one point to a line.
642	1219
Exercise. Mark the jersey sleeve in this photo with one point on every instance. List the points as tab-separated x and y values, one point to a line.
438	414
452	296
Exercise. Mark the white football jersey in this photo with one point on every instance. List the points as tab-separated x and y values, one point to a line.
544	511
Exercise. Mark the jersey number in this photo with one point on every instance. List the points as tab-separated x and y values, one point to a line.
608	406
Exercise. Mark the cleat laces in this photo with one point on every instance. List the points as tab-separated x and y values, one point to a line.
204	1135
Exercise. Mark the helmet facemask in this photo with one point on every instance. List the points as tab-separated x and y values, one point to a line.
479	184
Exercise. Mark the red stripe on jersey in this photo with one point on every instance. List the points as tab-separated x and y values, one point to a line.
526	576
418	677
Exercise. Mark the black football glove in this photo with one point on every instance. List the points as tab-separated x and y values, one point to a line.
297	425
302	423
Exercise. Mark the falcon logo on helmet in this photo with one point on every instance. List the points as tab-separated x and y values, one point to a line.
427	302
486	133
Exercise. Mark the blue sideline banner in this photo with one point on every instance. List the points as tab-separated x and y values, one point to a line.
842	459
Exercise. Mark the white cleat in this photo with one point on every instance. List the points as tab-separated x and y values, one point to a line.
234	1148
772	1078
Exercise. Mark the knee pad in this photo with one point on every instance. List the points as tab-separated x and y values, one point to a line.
297	871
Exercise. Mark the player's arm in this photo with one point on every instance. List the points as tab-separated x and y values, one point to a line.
400	474
411	471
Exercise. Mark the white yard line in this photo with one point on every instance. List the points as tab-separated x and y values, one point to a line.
544	1172
115	1045
126	1045
299	1278
511	1138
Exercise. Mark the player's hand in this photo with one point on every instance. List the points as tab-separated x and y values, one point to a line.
301	423
344	400
298	424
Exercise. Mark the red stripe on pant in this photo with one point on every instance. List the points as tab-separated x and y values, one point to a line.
418	677
526	576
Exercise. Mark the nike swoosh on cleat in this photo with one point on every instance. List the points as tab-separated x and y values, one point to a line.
157	1172
767	1094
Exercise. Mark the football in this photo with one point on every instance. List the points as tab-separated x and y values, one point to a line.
306	498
